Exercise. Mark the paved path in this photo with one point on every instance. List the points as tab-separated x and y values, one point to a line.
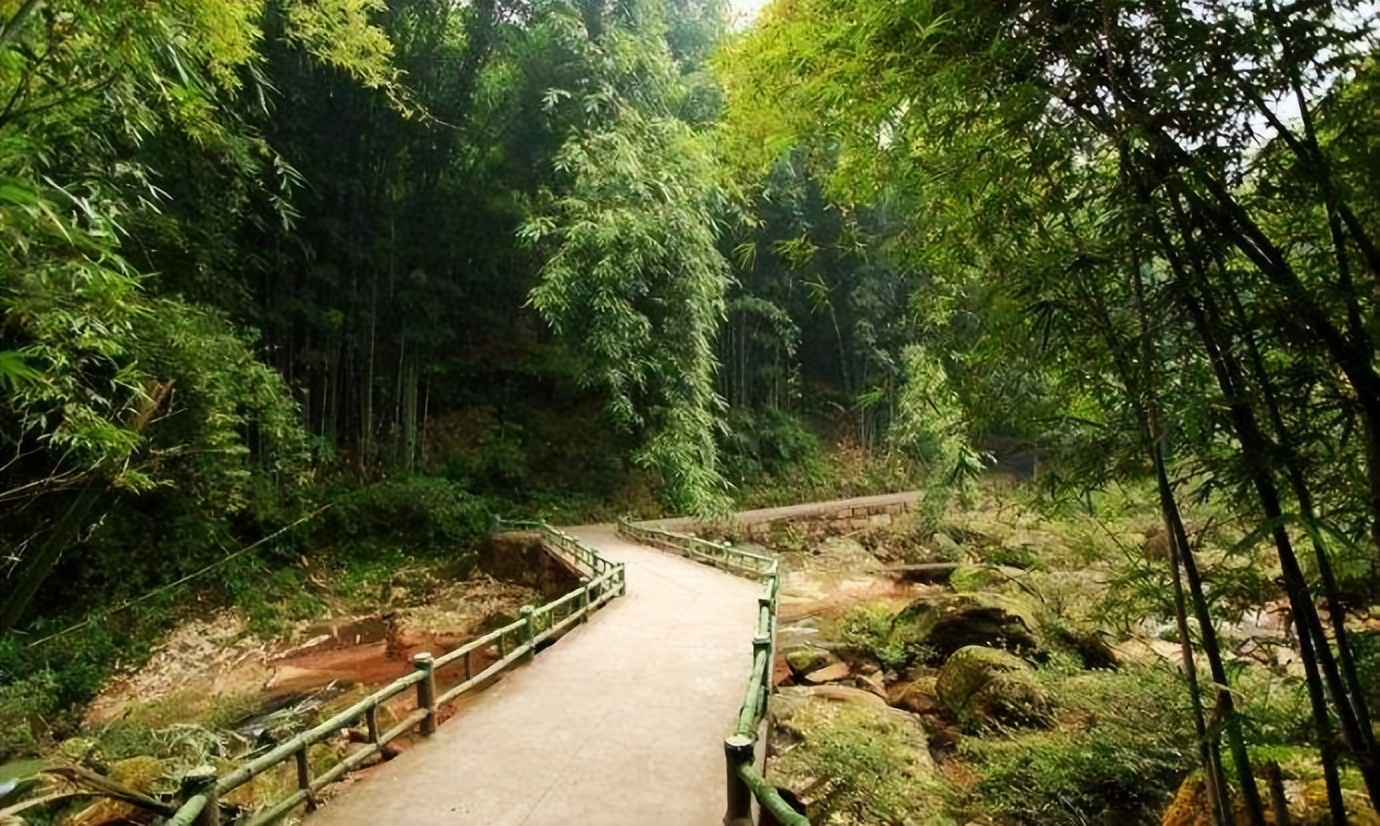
620	722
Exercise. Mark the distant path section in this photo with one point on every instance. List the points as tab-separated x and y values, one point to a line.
620	723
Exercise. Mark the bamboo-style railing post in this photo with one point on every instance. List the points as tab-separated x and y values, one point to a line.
529	630
202	781
371	724
762	645
738	749
584	600
426	690
304	776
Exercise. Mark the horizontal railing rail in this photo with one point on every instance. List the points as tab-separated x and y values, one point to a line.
726	557
203	789
740	749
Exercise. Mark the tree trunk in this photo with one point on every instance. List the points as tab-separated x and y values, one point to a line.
409	415
1313	645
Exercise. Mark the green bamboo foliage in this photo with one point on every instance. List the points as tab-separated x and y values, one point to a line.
636	279
1190	178
633	275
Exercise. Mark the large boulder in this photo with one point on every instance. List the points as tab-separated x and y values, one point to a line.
789	702
948	622
818	736
987	687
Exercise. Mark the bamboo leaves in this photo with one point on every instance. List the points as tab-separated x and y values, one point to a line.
636	280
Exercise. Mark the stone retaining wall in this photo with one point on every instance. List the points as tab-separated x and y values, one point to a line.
840	519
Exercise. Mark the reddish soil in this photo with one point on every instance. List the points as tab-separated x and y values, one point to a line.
371	652
203	661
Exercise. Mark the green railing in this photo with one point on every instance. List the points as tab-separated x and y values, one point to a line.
740	749
601	581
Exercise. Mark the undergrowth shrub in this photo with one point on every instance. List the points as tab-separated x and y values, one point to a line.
42	688
422	514
24	706
770	444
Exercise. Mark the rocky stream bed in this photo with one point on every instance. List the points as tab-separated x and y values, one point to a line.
1005	669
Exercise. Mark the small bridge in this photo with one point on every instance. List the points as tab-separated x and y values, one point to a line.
622	722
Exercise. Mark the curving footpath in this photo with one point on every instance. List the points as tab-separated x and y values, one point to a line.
620	723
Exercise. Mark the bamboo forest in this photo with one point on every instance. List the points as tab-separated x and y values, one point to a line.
1015	364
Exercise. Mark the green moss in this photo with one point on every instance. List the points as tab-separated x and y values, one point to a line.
1122	745
880	768
872	631
984	687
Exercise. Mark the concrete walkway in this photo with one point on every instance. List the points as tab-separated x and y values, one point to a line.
620	722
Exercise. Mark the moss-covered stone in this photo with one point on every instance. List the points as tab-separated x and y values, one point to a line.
988	687
856	762
809	658
920	696
949	622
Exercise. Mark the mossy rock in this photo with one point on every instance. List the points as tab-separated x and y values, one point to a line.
920	696
1089	644
945	547
949	622
857	763
987	687
142	774
967	578
810	658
